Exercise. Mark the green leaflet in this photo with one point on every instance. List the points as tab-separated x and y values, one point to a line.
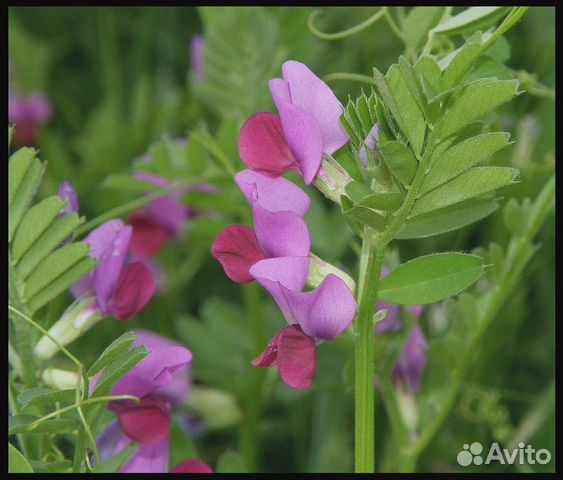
114	350
419	22
388	202
430	278
24	195
475	100
17	463
400	160
54	235
19	163
462	156
366	216
115	370
62	466
54	265
41	396
34	223
61	283
447	219
473	182
411	118
20	424
471	19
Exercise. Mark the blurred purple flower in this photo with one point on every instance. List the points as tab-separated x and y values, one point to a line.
68	194
308	125
412	360
121	290
161	380
391	322
28	113
196	49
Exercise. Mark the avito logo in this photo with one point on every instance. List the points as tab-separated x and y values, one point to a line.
472	454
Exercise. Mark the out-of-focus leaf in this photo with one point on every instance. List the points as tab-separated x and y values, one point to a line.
117	461
419	22
17	463
20	424
472	19
231	462
41	396
115	349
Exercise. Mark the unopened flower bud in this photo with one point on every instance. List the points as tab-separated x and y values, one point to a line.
319	269
61	379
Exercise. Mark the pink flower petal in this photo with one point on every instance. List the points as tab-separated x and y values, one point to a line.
146	422
237	249
263	147
136	287
304	138
281	234
313	95
274	194
295	355
192	466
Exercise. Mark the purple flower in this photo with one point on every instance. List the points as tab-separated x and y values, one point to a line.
28	113
308	126
160	380
121	289
412	360
68	194
196	49
279	229
276	255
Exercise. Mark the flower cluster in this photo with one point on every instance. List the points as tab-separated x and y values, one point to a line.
161	381
276	253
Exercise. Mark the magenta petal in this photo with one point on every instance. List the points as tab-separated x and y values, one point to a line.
295	355
274	194
135	288
304	138
68	193
151	458
237	249
281	234
263	147
325	312
146	422
149	235
100	240
192	466
310	93
170	212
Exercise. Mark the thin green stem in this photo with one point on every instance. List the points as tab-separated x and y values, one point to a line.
344	33
396	30
127	207
353	77
88	401
364	357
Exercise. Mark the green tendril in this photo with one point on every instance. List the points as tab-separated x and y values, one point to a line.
344	33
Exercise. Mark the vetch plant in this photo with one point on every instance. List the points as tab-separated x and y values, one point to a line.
306	274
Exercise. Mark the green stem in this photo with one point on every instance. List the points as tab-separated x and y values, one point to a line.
127	207
364	356
249	438
344	33
353	77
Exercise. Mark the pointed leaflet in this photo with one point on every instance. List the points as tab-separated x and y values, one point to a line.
430	278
